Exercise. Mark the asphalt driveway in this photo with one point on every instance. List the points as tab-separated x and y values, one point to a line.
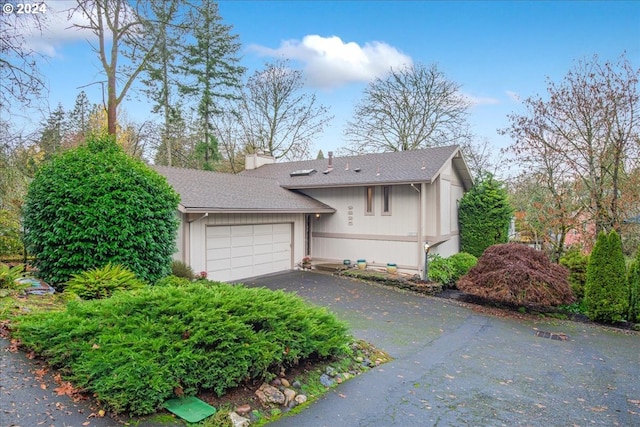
455	367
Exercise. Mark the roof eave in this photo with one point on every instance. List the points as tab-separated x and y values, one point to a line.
210	210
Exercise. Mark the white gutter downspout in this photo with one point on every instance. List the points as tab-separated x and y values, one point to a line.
419	237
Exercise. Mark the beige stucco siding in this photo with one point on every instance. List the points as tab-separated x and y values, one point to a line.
352	234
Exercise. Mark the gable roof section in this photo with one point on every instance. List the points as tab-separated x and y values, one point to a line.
398	167
203	191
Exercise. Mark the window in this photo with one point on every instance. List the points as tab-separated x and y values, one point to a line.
368	207
386	200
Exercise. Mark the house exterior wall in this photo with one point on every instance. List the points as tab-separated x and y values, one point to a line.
451	190
379	238
194	240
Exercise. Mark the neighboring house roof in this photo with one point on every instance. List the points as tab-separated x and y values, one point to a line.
398	167
204	191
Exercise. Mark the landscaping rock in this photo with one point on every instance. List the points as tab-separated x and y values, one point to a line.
300	399
238	421
289	395
331	371
243	409
269	395
296	384
285	382
326	380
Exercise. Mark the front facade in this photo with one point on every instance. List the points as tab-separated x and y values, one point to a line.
378	207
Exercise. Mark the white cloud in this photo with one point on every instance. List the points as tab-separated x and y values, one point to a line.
513	96
479	100
330	62
57	28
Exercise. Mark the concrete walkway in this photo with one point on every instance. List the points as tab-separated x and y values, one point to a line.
454	367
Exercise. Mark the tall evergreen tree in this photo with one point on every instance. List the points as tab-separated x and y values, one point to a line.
484	216
211	65
606	291
53	133
161	70
79	118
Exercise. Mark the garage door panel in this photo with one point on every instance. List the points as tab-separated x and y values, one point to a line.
241	240
263	229
265	258
218	253
241	230
263	249
242	251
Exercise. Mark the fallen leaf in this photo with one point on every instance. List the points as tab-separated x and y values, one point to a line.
95	346
447	376
86	423
599	408
540	405
342	395
43	386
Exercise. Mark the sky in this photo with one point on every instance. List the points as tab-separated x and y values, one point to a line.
499	52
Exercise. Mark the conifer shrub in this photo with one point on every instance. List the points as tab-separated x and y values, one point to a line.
576	262
139	348
517	275
484	216
103	282
633	279
95	204
606	292
181	269
173	281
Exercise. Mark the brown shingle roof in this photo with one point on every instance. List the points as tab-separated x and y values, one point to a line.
377	168
204	191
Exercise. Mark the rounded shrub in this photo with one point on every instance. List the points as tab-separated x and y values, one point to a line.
93	205
440	270
518	275
606	292
461	263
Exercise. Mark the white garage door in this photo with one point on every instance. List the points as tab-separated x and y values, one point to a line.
239	251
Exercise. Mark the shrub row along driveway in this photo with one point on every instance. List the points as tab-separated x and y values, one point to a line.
455	367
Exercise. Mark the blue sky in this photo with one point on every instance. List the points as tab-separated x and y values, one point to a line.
498	51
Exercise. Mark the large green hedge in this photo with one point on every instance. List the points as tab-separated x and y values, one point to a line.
484	216
141	347
606	293
95	204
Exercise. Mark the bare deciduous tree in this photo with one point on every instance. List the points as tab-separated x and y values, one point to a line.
122	45
589	126
411	108
20	80
278	116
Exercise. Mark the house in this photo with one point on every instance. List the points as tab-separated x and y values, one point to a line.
380	207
